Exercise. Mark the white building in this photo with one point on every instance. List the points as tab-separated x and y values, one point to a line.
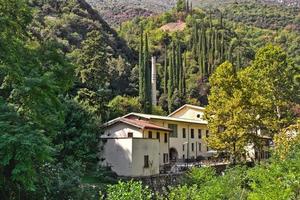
141	144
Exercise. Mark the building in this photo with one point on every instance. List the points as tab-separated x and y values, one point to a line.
142	144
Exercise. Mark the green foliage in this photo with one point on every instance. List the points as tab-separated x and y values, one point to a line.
120	106
199	176
23	148
277	180
128	191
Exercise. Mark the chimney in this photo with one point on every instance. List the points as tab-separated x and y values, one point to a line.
153	80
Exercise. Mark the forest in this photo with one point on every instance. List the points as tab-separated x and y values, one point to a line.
64	71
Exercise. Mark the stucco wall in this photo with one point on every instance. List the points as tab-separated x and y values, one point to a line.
178	142
189	113
118	155
142	147
163	147
120	130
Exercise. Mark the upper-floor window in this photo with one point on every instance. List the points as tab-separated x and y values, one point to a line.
130	134
183	133
173	127
157	136
207	133
199	133
192	133
150	134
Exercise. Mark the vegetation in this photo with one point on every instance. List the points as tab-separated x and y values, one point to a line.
276	179
64	71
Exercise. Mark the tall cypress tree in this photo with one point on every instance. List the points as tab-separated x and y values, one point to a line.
141	69
173	66
147	74
166	71
170	84
180	72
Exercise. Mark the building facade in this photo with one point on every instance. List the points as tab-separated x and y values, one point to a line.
141	144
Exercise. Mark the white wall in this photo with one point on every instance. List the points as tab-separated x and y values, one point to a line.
189	113
178	142
125	156
163	147
142	147
118	155
120	130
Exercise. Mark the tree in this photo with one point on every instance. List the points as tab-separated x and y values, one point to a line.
141	69
147	88
121	105
24	148
269	97
223	112
92	74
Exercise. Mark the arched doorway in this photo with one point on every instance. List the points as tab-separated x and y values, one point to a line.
173	154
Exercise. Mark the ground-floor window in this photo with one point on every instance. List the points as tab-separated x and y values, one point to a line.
199	146
146	161
166	157
192	146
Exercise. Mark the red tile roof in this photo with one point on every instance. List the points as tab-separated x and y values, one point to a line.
143	124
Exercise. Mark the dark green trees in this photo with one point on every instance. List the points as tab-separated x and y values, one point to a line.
145	74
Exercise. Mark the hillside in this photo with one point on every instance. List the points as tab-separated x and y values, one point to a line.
118	11
68	22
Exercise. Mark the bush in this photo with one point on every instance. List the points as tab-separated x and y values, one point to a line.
128	191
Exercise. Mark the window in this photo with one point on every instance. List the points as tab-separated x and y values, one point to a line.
146	161
207	149
192	133
183	133
207	133
150	134
198	116
199	146
166	138
166	157
130	134
157	136
192	146
183	147
173	127
199	133
183	156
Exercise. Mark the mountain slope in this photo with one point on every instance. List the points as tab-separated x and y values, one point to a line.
117	11
69	22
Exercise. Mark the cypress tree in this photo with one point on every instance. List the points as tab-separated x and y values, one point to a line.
203	64
170	84
141	70
173	65
183	75
180	89
166	71
222	46
147	87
